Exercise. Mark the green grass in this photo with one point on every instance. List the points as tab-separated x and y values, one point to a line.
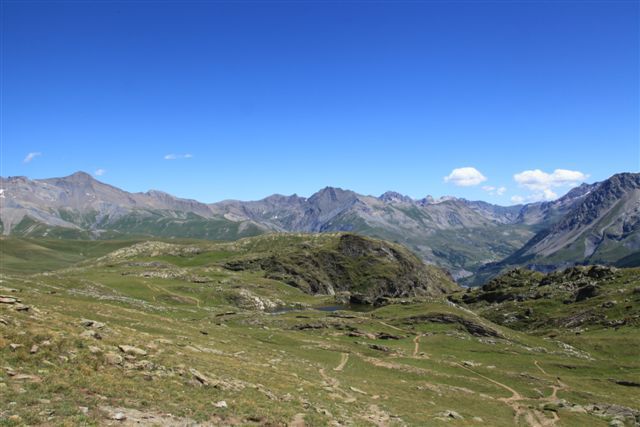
270	369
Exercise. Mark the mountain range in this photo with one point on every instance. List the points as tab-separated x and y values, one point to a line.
473	240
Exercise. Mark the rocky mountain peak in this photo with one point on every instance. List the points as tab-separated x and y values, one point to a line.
79	176
395	197
332	195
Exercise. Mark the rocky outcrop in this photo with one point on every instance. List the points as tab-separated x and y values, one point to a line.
574	298
475	328
366	268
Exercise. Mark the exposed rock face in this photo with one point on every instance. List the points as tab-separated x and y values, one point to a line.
368	267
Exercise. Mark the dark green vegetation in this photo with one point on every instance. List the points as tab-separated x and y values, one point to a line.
365	268
171	333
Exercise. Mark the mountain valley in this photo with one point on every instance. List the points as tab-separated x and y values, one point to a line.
473	240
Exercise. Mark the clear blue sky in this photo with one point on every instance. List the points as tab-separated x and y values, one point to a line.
289	97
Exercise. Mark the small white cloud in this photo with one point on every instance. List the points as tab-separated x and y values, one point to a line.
178	156
538	180
465	177
545	195
100	172
541	183
31	156
493	191
548	195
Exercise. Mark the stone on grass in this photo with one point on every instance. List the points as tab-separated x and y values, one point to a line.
119	416
113	358
134	351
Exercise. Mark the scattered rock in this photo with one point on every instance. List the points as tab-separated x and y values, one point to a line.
220	404
94	350
451	414
88	323
27	377
113	358
90	333
379	347
8	300
586	292
387	336
14	346
131	350
34	349
473	327
305	326
202	379
134	417
119	416
361	334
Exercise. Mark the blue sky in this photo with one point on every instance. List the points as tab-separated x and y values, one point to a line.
216	100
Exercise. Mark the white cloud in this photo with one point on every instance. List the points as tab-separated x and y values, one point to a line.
538	196
178	156
538	180
547	195
31	156
540	183
494	191
100	172
465	177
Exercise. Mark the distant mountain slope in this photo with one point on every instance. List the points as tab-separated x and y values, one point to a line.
603	227
79	206
593	222
454	233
